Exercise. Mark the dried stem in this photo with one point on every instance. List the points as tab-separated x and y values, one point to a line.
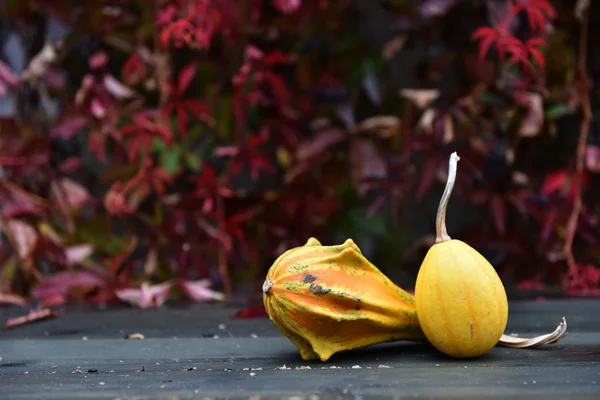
523	343
440	222
584	96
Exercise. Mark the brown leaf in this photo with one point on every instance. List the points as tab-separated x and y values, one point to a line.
421	97
32	316
383	125
393	46
533	122
425	123
40	63
319	143
366	161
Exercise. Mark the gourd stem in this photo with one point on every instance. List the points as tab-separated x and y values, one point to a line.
440	222
267	285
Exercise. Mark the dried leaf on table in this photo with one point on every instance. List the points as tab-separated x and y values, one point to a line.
32	316
146	295
199	290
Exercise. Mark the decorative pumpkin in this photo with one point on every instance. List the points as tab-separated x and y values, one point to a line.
328	299
461	302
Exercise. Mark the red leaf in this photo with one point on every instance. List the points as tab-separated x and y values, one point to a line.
554	182
11	161
257	311
15	201
530	284
548	222
286	6
147	295
199	290
428	176
182	121
185	78
199	109
62	284
70	165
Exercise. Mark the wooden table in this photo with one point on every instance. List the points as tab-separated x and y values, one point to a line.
196	352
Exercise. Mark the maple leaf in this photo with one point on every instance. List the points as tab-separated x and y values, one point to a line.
181	106
499	36
538	12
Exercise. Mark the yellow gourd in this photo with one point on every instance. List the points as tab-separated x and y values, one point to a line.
328	299
461	302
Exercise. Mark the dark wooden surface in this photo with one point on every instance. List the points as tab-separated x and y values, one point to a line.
196	352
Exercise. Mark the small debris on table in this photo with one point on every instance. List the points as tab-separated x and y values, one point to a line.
135	336
304	367
252	373
92	371
283	367
188	369
384	366
53	366
356	367
84	338
77	371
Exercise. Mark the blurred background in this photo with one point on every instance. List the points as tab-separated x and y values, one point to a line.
161	149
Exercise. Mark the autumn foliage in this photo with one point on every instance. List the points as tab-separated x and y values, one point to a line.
167	147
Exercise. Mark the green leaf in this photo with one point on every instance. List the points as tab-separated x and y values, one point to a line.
193	162
556	111
170	161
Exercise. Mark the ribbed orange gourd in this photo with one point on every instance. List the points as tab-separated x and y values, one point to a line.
461	302
328	299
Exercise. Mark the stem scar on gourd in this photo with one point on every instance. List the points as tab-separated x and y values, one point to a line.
440	222
267	285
